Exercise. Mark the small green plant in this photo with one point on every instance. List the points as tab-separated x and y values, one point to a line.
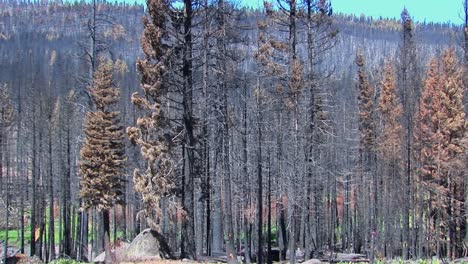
66	261
422	261
356	262
399	261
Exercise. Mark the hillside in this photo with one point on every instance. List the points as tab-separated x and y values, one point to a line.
230	130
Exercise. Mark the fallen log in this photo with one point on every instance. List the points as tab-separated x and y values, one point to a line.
344	257
346	261
213	259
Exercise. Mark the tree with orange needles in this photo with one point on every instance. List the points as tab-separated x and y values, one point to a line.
389	144
443	142
153	132
102	157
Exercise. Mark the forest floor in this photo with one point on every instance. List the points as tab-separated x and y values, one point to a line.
421	261
165	261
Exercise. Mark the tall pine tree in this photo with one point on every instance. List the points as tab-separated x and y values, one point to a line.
102	157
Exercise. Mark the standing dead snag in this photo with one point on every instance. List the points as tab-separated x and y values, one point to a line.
408	84
367	155
389	149
153	132
102	157
6	120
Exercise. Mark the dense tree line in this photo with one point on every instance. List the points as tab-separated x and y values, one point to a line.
248	130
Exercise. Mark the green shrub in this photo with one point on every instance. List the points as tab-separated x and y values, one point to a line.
66	261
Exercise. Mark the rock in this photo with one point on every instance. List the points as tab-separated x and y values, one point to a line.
312	261
100	258
149	244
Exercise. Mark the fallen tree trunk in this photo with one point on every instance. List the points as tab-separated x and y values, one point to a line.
344	257
346	261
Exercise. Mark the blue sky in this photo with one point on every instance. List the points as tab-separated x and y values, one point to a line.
420	10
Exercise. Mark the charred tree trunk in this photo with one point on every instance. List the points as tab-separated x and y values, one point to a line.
188	249
33	186
259	184
51	233
66	216
5	155
269	238
222	85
